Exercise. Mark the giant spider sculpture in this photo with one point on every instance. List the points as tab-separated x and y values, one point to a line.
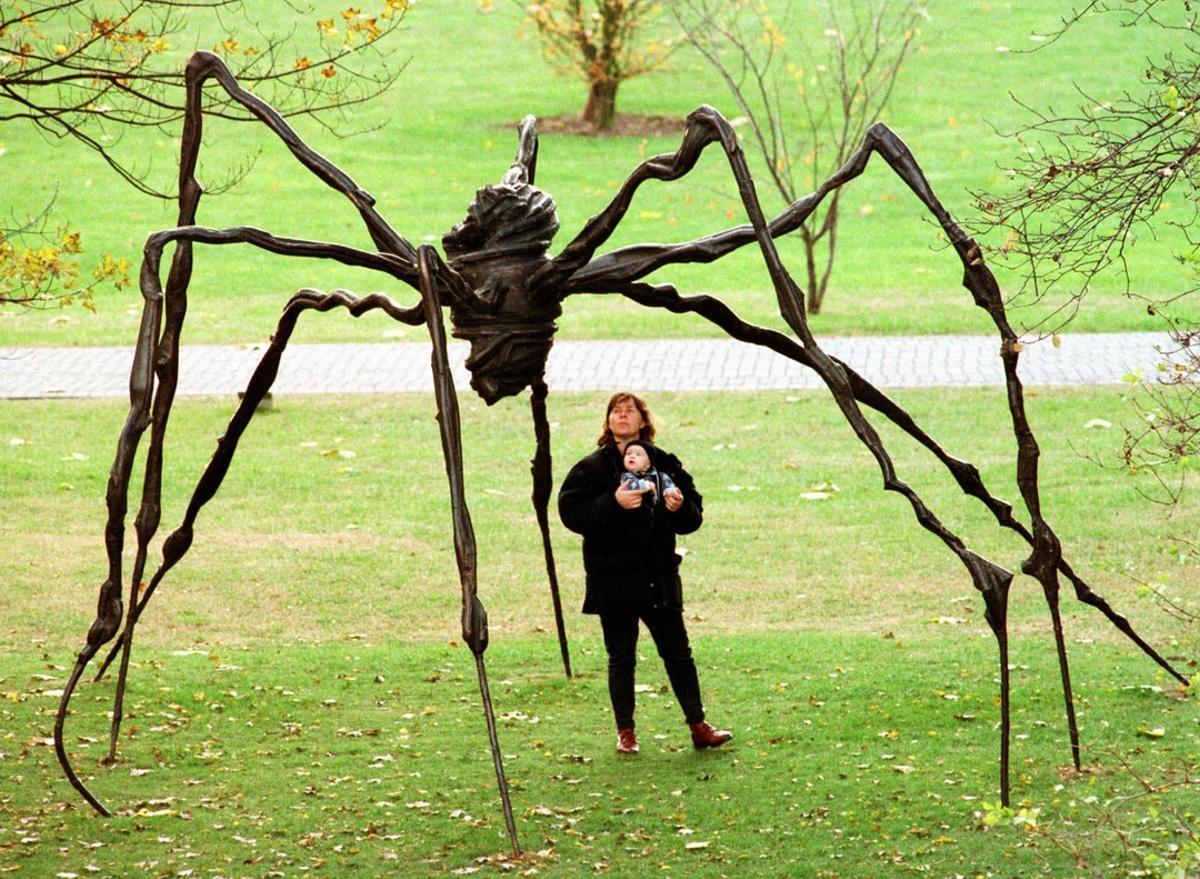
504	293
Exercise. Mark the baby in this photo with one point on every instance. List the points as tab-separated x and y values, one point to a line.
640	474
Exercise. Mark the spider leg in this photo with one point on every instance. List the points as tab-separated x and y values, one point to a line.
575	270
995	599
618	269
203	66
149	515
1046	560
965	473
524	166
706	125
179	541
540	468
474	617
146	407
162	350
166	366
157	355
577	254
109	605
636	261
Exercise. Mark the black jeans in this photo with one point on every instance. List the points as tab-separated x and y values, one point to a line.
670	637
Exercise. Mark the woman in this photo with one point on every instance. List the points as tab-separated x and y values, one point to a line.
631	564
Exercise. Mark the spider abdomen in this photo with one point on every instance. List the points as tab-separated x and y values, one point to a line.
496	249
508	352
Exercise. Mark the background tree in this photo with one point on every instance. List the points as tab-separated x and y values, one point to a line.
1087	184
604	42
808	100
94	81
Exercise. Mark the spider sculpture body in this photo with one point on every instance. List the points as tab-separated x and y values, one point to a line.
504	292
498	250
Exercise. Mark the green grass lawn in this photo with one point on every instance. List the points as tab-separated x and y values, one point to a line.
853	756
448	128
354	490
300	705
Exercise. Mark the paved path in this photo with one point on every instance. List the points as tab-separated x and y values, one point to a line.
673	364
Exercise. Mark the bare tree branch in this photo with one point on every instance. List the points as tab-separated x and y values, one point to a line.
1086	184
807	99
83	78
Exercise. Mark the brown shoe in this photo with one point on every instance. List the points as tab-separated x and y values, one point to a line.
626	741
705	735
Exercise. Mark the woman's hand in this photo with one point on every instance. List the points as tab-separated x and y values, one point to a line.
673	499
628	498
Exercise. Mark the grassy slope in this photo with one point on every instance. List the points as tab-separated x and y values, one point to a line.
854	756
293	527
437	137
298	699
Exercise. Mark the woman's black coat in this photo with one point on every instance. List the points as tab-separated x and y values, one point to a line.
628	555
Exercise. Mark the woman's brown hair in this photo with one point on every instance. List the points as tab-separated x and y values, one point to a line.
647	431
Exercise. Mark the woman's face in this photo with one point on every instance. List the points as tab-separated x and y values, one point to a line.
636	459
625	421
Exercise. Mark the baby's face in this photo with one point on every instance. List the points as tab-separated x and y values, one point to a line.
636	459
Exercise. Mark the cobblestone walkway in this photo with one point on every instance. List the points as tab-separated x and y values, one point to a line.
671	364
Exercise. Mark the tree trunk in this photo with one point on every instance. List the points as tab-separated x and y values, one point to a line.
818	284
812	299
601	106
817	292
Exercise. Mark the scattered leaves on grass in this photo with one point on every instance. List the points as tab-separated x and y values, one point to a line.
820	491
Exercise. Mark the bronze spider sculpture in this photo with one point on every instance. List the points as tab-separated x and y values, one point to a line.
504	293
